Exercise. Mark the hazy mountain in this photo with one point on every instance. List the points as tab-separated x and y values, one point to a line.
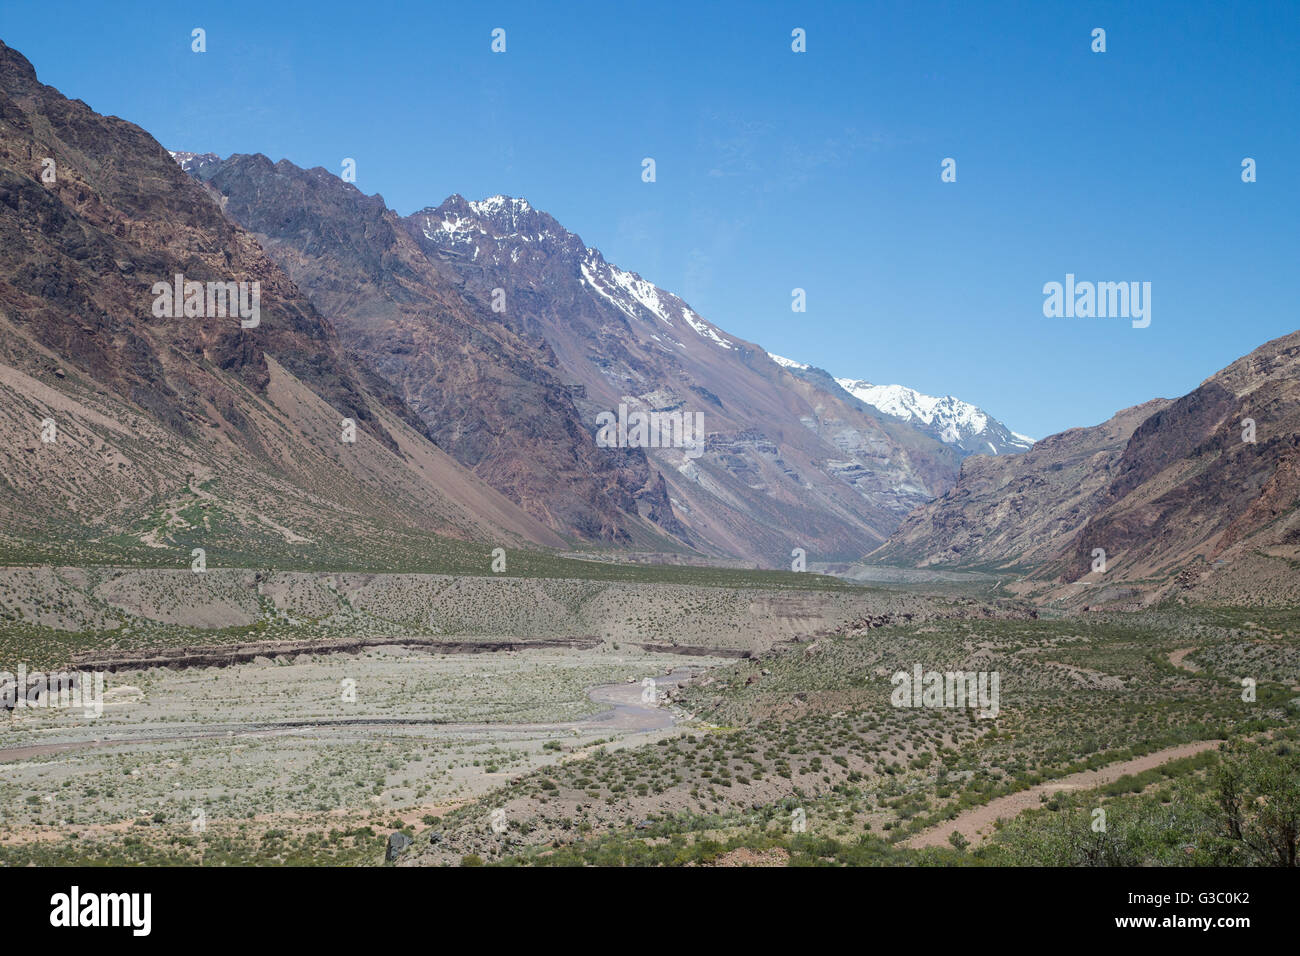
948	419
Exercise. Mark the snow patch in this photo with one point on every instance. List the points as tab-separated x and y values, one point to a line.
627	290
785	362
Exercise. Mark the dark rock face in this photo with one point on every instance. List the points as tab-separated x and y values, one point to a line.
118	217
1171	434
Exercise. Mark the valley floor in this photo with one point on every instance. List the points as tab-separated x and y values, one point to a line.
607	753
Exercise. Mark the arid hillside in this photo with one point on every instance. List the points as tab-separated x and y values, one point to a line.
1198	499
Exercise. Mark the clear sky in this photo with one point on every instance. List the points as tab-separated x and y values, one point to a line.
776	170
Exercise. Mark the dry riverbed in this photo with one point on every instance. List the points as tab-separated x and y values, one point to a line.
387	734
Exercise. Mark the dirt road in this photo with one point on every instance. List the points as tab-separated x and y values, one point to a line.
976	824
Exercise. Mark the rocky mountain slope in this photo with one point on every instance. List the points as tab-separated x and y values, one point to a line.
492	398
124	431
1017	510
1198	498
786	463
488	313
1207	494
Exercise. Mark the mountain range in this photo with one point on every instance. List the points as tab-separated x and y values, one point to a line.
471	350
509	337
474	345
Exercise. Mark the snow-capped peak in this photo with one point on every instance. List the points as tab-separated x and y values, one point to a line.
948	419
495	204
192	162
907	404
501	227
475	225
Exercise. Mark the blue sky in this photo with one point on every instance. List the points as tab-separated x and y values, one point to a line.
778	170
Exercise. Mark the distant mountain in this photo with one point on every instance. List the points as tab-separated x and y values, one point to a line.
786	463
950	420
1197	499
436	302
